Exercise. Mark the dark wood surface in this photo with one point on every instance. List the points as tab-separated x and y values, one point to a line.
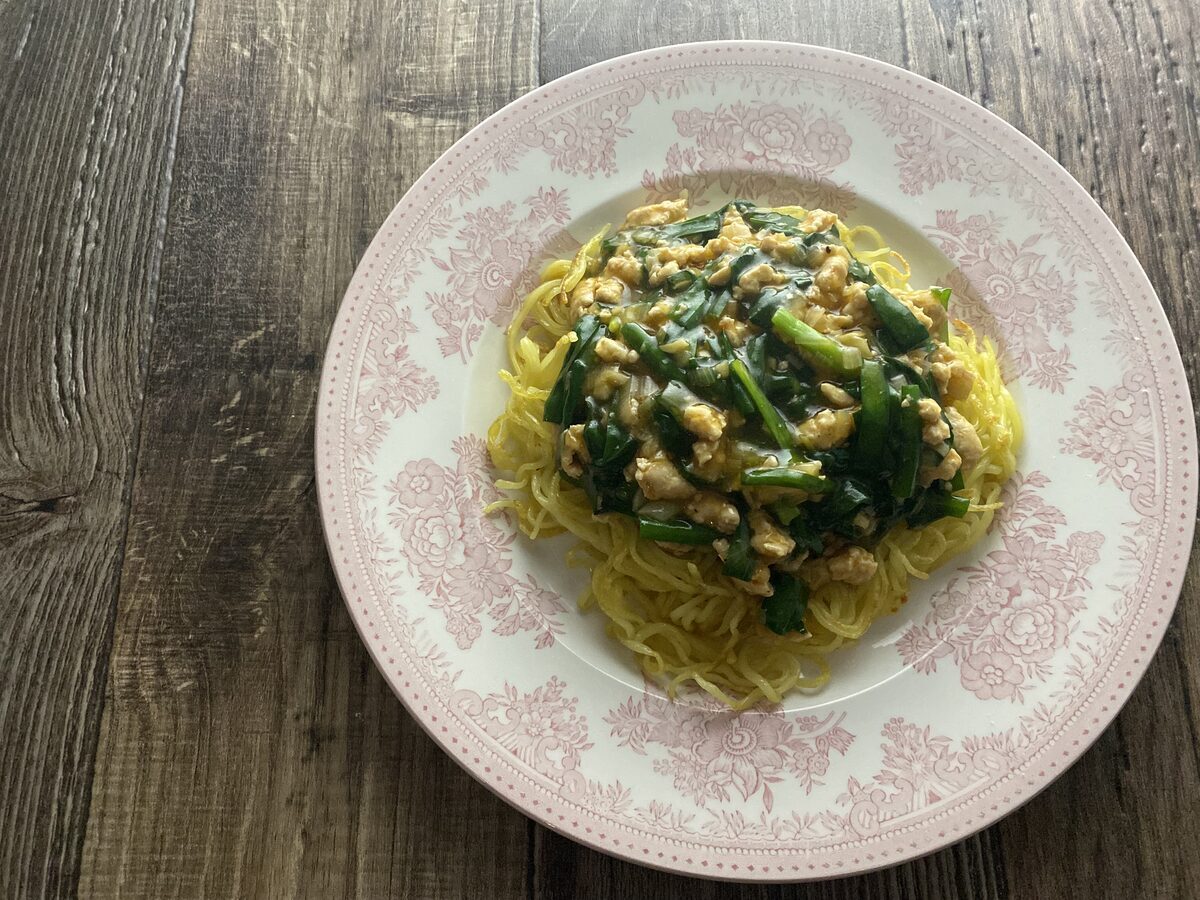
185	187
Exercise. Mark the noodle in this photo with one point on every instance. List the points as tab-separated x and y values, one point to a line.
684	620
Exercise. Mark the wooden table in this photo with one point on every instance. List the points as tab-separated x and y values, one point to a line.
185	187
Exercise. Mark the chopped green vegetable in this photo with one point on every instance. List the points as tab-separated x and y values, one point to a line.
783	611
787	478
740	561
703	377
807	538
649	352
898	365
698	228
784	511
819	349
772	420
758	219
610	449
678	531
749	257
942	296
740	398
675	439
794	395
874	419
566	397
680	280
908	438
860	271
935	504
839	509
691	304
677	397
765	307
897	319
817	238
608	490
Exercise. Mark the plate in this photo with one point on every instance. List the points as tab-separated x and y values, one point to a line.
997	673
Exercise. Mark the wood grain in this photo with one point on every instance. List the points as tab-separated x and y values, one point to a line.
1109	90
89	100
249	748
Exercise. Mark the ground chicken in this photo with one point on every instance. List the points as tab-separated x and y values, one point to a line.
718	246
628	410
966	441
858	341
708	459
856	306
720	278
582	296
605	381
574	451
712	509
818	220
944	470
835	396
824	321
819	254
735	230
759	584
953	378
657	213
609	290
781	246
936	430
625	267
737	330
768	539
754	279
660	480
610	351
704	421
831	277
659	313
684	255
660	273
854	565
827	429
933	309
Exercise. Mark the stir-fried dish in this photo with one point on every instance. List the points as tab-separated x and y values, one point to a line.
755	397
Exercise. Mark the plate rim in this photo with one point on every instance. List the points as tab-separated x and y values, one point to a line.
328	497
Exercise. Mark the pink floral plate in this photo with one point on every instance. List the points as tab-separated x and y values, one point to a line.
999	671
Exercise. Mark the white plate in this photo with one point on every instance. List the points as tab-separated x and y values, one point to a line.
995	675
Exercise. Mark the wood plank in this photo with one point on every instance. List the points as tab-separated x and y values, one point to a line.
1125	124
89	102
249	748
1110	92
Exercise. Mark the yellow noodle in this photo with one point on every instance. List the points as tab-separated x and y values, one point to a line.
683	620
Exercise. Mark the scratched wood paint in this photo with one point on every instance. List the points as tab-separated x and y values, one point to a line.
185	710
